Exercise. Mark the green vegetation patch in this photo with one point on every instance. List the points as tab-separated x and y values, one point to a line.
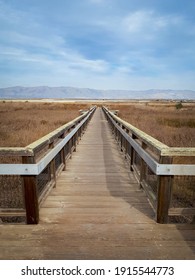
178	122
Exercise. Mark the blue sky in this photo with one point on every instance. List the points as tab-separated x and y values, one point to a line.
102	44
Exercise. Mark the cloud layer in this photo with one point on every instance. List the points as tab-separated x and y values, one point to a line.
98	44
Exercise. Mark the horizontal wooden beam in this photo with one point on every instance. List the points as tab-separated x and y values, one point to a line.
175	169
181	211
12	212
178	151
15	151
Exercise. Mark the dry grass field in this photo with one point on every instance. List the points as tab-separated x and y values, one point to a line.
21	123
166	122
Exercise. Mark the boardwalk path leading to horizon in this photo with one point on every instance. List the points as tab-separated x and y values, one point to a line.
97	211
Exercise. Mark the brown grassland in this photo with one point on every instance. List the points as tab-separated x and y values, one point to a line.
23	123
167	122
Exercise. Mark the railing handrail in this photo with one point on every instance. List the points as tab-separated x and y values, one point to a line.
161	148
151	157
147	139
30	149
50	137
37	168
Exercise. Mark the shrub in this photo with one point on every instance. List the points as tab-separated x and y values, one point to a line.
179	105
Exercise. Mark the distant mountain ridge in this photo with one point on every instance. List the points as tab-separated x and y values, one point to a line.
42	92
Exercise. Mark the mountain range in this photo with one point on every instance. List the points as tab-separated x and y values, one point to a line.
42	92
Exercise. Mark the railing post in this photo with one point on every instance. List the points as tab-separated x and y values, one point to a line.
62	153
164	186
30	195
132	152
143	167
122	140
126	144
74	143
53	165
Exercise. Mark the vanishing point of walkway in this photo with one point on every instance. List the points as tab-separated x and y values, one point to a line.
97	211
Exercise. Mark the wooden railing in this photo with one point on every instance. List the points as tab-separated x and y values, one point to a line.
166	174
28	174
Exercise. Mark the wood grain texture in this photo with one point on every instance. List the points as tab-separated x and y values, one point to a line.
97	211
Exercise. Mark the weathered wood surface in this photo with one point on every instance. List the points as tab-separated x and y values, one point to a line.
97	211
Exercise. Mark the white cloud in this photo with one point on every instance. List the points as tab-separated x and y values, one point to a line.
137	21
147	21
55	57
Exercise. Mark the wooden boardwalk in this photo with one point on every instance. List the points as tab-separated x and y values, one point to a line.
97	211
